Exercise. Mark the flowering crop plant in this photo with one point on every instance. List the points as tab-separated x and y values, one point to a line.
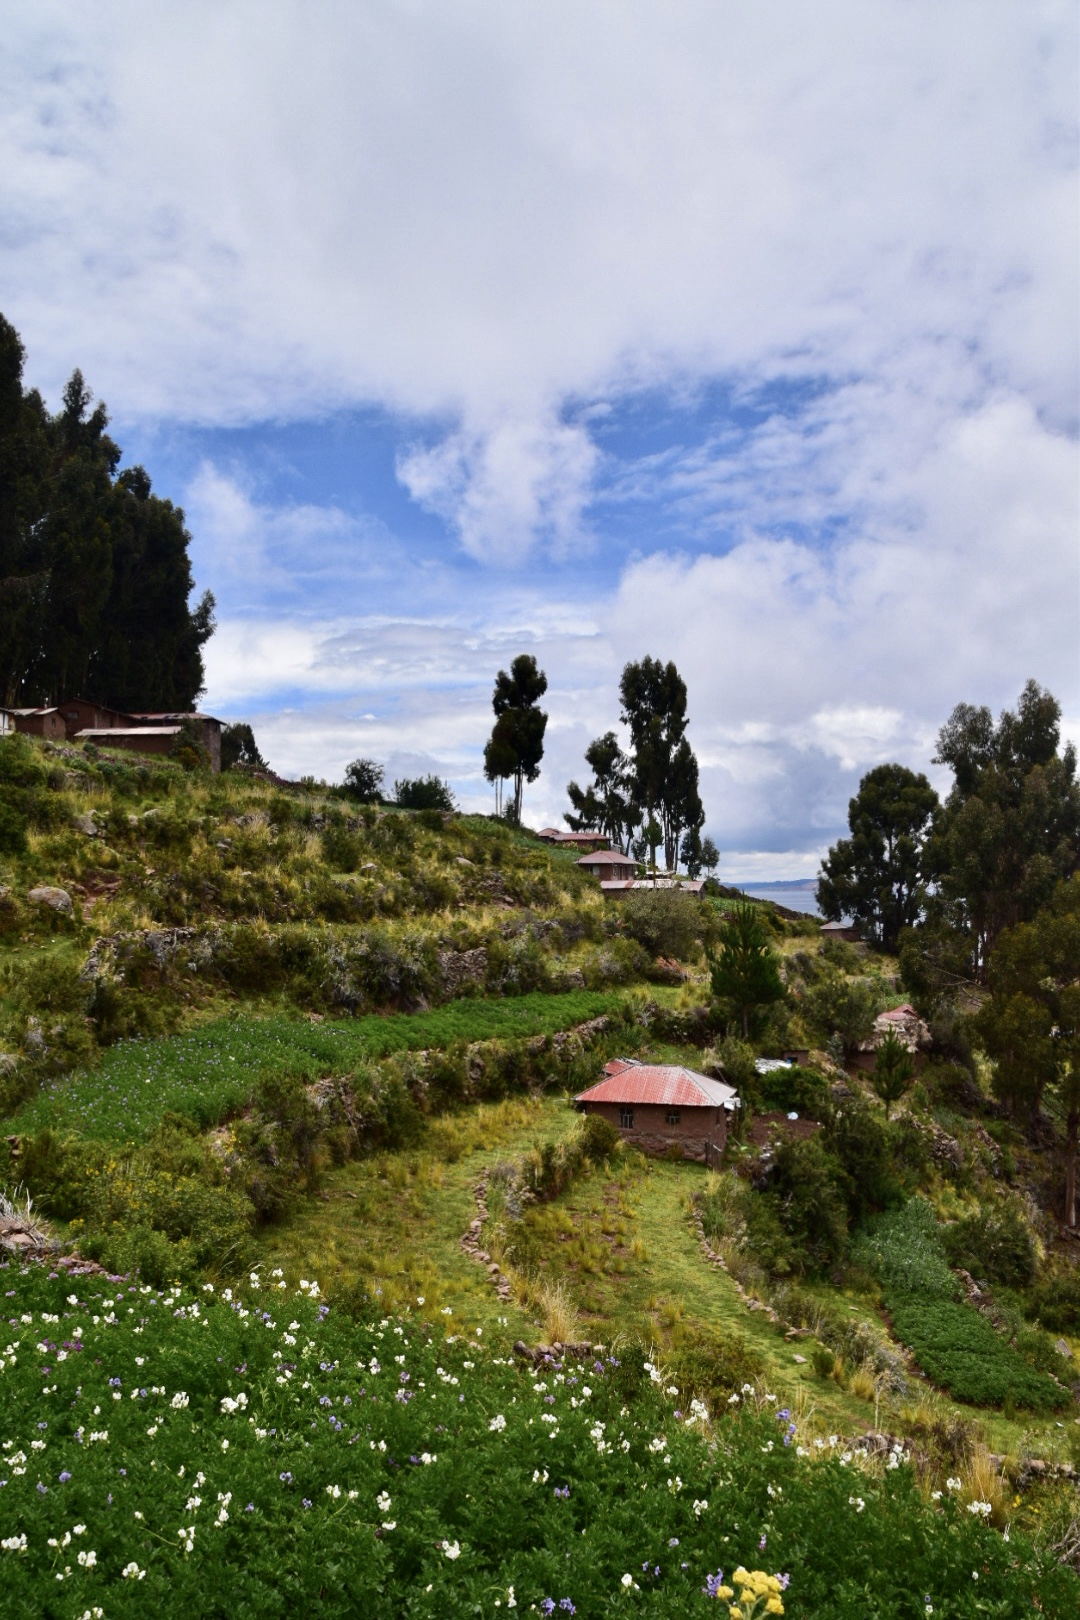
252	1452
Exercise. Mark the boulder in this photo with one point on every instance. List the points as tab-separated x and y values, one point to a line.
1062	1348
85	822
55	899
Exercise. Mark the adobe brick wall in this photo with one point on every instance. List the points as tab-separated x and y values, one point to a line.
653	1134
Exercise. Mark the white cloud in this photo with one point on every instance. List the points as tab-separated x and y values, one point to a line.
227	213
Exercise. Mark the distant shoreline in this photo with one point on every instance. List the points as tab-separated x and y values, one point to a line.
798	894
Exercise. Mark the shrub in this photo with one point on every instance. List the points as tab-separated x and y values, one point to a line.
995	1246
665	922
863	1148
342	848
599	1138
708	1363
12	830
1055	1300
810	1204
845	1008
424	793
363	780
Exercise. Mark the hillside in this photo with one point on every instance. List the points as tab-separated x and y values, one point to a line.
248	1029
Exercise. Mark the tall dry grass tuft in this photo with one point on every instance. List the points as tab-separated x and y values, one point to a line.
983	1483
553	1304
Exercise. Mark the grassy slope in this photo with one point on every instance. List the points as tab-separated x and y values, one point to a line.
210	1071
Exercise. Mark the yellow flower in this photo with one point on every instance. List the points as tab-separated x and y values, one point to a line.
735	1613
724	1592
774	1606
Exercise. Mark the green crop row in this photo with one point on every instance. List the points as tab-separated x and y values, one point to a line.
207	1073
256	1454
956	1347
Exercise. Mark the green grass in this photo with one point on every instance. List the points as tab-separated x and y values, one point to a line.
210	1071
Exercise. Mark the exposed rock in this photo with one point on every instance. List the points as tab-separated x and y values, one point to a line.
85	823
461	968
800	1359
1062	1348
47	895
34	1039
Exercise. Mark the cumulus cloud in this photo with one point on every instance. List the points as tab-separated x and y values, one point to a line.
225	213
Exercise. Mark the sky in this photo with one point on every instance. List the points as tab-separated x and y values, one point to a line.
744	336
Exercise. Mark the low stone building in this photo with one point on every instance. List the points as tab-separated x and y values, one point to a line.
657	1105
903	1022
78	720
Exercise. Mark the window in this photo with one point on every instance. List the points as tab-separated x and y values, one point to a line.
626	1118
672	1116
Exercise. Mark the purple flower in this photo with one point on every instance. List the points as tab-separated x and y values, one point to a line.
785	1582
324	1400
563	1491
43	1425
63	1476
305	1503
285	1478
114	1383
403	1377
674	1542
713	1583
565	1603
44	1489
250	1508
784	1415
761	1544
548	1605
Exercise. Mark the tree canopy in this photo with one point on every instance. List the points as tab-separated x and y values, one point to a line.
878	875
745	971
94	569
516	745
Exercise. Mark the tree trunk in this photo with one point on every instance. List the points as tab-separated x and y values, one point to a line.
1072	1129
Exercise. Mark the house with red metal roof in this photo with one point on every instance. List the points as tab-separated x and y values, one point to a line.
660	1105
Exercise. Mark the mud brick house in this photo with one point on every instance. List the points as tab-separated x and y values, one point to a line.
78	720
903	1022
657	1105
608	865
575	840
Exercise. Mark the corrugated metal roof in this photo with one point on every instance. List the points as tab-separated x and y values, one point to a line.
669	1085
606	857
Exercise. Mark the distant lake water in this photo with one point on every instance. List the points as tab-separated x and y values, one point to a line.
796	895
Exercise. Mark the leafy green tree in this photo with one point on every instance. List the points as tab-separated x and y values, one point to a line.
238	747
710	856
608	803
364	780
665	769
878	875
894	1070
844	1008
1008	832
516	745
690	851
424	793
1030	1025
745	971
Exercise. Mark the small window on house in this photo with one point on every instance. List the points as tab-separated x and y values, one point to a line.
626	1118
672	1116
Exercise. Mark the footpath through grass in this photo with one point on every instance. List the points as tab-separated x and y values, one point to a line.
252	1455
208	1072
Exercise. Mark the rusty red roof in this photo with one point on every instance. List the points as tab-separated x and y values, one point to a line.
669	1085
606	857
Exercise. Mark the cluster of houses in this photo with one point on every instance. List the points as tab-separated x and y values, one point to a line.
615	871
78	720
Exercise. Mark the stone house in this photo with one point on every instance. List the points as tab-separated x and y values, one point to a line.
656	1106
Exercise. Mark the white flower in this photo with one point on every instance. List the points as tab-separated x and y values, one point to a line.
382	1502
427	1457
658	1444
628	1581
224	1445
511	1600
954	1484
700	1508
389	1524
857	1503
132	1572
14	1543
88	1559
540	1478
451	1549
334	1491
497	1423
179	1400
980	1509
674	1485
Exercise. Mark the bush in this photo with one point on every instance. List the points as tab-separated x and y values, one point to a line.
424	793
1055	1301
599	1138
845	1008
665	922
12	830
363	780
862	1145
810	1204
995	1246
708	1363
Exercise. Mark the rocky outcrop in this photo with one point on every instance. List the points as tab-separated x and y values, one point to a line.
48	895
460	969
